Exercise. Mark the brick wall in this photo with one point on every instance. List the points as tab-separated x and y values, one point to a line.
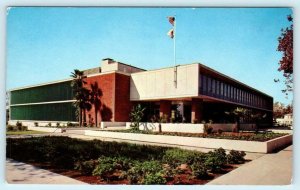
123	105
105	110
114	102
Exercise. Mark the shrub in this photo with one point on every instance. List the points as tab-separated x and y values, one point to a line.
208	129
10	128
148	172
236	157
19	124
63	157
107	165
86	167
164	118
134	175
57	124
24	128
154	178
36	124
49	125
220	131
69	124
216	160
175	157
199	170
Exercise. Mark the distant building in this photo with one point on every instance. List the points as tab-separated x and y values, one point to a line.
185	93
287	120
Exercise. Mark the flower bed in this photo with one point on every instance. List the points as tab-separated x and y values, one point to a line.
123	163
200	142
246	136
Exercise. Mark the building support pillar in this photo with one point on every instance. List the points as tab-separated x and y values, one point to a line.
165	109
197	110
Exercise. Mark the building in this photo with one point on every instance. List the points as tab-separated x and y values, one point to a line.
287	120
186	93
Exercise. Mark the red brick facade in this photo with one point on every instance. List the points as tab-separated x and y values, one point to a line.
123	105
114	104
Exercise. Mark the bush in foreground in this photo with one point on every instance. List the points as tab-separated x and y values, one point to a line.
139	164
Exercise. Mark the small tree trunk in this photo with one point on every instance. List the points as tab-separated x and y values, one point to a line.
84	118
96	119
80	117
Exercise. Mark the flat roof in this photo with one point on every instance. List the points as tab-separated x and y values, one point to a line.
143	70
232	79
41	84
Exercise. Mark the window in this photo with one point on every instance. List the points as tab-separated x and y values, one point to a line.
203	83
213	81
218	87
222	89
232	93
209	85
225	90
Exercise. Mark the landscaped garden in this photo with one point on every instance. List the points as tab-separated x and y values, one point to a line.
247	136
101	162
19	129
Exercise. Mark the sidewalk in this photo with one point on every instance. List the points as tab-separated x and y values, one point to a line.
271	169
21	173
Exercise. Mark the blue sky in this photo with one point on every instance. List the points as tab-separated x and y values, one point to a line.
46	44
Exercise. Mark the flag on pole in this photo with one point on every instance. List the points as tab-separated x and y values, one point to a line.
171	33
172	22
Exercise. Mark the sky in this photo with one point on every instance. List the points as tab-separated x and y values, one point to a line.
47	43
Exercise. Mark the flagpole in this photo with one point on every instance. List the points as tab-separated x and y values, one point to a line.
174	46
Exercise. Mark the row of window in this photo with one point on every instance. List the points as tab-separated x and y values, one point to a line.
219	89
44	112
46	93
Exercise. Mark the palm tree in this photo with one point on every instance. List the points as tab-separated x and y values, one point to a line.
95	95
80	94
86	105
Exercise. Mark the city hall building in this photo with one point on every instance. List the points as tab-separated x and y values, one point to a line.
190	93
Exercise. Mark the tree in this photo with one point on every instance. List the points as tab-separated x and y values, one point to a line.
136	115
278	110
288	109
285	46
95	95
81	95
239	113
257	117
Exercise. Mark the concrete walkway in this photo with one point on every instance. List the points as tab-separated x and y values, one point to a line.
271	169
21	173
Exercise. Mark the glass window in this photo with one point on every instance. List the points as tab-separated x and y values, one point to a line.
203	83
209	84
213	86
218	87
222	89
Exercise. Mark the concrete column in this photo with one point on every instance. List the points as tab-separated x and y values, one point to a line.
165	108
197	109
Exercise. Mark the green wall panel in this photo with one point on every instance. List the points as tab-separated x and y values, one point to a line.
46	93
44	112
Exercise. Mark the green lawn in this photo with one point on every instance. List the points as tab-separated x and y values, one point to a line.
24	132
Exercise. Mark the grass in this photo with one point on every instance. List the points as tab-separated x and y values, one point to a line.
24	132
